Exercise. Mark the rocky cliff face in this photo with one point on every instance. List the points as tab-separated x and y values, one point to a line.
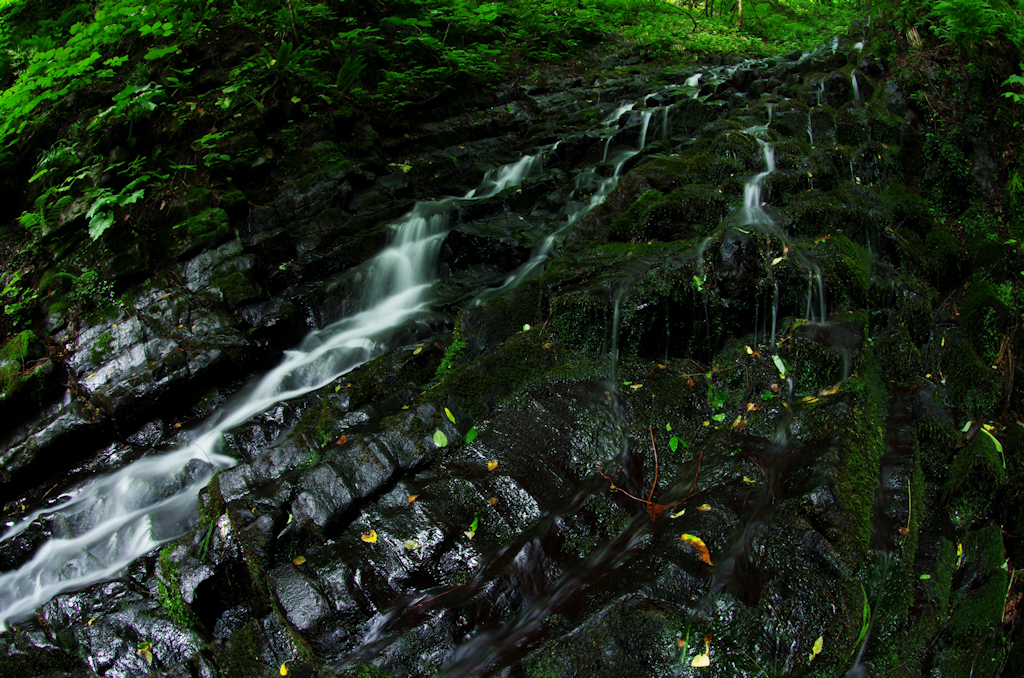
733	413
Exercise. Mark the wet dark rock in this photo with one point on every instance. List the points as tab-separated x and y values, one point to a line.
441	507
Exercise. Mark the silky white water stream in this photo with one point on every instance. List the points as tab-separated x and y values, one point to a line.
107	522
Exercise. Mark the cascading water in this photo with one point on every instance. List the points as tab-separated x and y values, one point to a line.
106	523
587	182
856	87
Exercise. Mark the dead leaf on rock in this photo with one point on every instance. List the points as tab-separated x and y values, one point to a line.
698	543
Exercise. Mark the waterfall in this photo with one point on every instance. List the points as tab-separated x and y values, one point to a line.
856	87
587	181
107	522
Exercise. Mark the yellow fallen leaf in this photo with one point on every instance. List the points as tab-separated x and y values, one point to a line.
704	507
748	479
700	661
369	537
493	464
91	621
417	351
412	498
698	543
678	513
816	650
749	350
636	386
299	560
411	545
775	261
284	667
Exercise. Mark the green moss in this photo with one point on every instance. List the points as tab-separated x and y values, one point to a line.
987	319
237	656
203	231
898	358
451	355
237	287
17	375
169	590
980	608
972	385
973	477
862	447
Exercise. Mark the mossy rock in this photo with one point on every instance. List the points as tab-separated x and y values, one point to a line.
977	596
841	210
20	379
972	386
686	212
975	475
898	356
857	412
667	174
208	229
237	288
945	258
987	319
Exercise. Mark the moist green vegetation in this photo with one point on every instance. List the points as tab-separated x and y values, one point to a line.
113	110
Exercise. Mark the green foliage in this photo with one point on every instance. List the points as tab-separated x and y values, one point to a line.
970	23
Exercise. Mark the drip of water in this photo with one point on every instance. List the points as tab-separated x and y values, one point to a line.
775	311
856	87
810	130
107	522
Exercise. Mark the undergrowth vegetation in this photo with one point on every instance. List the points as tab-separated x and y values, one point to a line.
112	109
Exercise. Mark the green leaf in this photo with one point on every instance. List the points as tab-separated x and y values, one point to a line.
719	417
673	443
451	417
160	52
99	224
668	427
123	200
475	524
471	435
999	445
440	439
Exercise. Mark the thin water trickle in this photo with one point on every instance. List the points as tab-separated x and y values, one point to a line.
810	129
856	87
107	522
587	182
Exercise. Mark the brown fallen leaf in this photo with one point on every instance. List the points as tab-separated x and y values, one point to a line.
341	441
704	507
412	498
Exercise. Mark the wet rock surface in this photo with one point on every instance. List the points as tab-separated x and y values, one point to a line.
706	427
